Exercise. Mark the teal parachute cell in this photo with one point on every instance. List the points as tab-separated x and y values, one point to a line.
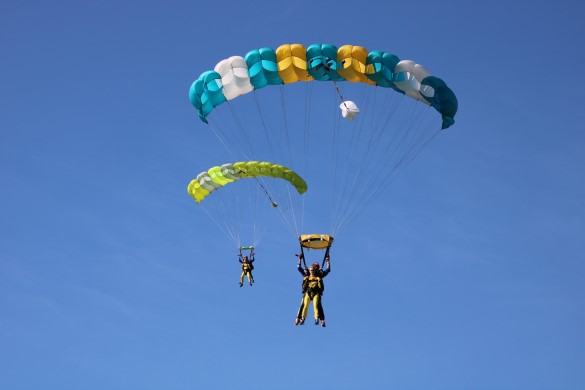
322	62
263	69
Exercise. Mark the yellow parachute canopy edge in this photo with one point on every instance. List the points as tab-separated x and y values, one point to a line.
216	177
316	241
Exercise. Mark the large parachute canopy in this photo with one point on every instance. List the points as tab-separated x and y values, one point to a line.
288	64
284	105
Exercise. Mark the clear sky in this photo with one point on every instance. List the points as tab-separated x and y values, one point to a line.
467	273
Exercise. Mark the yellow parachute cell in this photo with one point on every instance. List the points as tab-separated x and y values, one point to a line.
353	60
292	63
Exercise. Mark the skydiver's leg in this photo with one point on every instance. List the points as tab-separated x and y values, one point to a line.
250	277
242	278
316	305
321	312
300	312
306	303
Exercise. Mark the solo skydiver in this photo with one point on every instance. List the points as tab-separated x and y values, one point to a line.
247	268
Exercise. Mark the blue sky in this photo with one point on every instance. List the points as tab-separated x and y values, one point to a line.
467	273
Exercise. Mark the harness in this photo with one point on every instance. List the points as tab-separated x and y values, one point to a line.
315	241
247	266
313	285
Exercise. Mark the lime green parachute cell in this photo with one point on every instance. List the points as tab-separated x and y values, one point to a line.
216	177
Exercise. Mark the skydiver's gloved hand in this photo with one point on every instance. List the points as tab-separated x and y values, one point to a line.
300	258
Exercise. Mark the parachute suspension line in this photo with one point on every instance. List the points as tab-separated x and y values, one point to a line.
292	223
341	166
405	152
288	220
274	204
261	114
222	139
340	94
285	124
379	129
364	186
360	179
420	139
242	129
259	222
410	131
350	169
368	200
307	128
231	210
258	232
335	160
223	227
353	172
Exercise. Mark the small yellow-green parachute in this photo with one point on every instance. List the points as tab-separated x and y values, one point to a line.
216	177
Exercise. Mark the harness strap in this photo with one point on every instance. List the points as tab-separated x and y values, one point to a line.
325	257
303	256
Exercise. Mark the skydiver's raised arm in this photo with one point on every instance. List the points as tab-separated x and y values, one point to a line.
327	268
299	266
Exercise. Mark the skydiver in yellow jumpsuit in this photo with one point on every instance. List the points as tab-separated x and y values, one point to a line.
313	288
247	268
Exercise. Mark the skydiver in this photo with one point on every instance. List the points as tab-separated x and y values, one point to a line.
247	268
313	288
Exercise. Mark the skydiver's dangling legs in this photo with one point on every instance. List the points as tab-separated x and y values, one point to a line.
249	275
300	320
304	307
316	298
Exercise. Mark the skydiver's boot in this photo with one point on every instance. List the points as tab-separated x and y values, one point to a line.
241	284
316	321
323	323
297	321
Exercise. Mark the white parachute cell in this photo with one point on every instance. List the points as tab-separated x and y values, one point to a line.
234	77
349	110
408	76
